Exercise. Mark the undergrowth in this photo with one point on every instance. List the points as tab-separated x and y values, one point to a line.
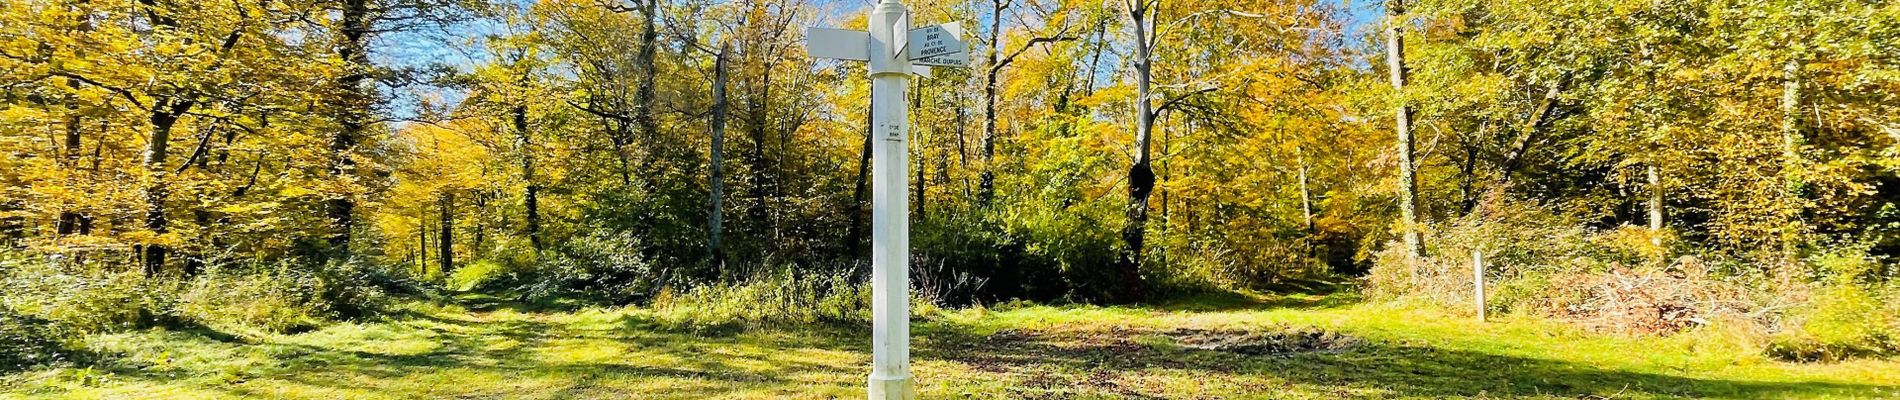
1834	304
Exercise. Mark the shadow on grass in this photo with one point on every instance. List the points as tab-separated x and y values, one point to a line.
699	362
486	345
1373	369
1218	301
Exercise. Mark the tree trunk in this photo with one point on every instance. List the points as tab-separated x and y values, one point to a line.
986	179
1306	203
152	254
481	227
1522	145
352	118
917	103
763	185
854	236
445	241
715	209
1408	181
69	220
530	190
72	221
643	98
1141	176
1791	160
1655	204
422	239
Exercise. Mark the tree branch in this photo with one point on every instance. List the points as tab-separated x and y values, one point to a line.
1170	103
1026	46
88	81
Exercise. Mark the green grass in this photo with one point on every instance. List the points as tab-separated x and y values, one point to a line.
478	348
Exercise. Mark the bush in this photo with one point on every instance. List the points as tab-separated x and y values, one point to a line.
967	257
27	342
356	289
286	296
601	266
85	301
783	298
273	300
1852	316
1541	263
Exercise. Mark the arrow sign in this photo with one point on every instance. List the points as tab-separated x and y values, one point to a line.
838	43
940	45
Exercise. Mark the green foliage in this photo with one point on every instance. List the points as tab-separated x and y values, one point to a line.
782	298
285	297
478	274
275	300
27	342
1851	315
85	301
603	266
274	297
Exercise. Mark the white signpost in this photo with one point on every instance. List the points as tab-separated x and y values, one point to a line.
895	53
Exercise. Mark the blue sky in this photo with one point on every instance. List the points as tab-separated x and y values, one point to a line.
456	45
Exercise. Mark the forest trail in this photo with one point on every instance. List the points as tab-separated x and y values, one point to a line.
479	347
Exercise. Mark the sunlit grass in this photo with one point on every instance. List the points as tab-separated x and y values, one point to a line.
481	348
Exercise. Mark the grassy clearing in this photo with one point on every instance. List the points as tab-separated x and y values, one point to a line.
480	348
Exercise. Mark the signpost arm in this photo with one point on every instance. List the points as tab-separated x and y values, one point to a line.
890	241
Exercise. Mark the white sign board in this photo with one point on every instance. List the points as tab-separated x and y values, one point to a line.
838	43
936	41
940	45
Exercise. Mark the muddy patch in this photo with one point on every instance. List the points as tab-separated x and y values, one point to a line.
1265	342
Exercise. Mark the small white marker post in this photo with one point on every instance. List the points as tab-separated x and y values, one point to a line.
894	53
1477	280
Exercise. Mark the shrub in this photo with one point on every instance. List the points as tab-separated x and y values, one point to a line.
286	296
356	289
27	342
84	301
601	266
775	299
1852	316
1538	262
481	273
274	300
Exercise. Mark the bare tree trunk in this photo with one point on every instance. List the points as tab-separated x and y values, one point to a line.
715	213
531	190
1408	171
1791	160
986	179
1306	202
1141	176
446	240
1522	145
1655	203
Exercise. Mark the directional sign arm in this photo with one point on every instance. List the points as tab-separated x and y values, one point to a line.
841	44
